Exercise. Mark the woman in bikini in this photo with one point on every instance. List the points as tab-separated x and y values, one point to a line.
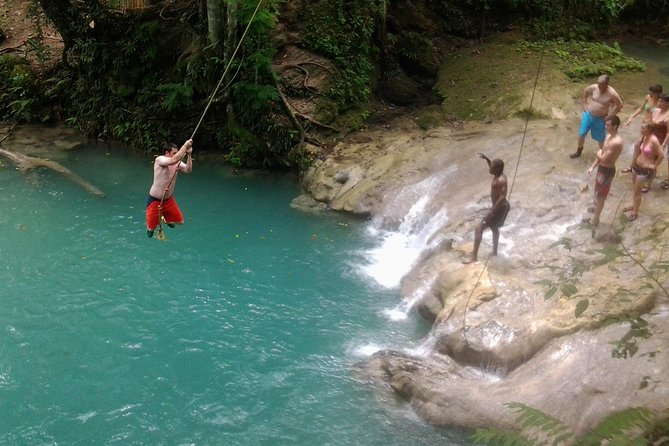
660	120
647	156
649	104
647	108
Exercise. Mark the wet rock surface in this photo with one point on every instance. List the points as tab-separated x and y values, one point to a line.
539	323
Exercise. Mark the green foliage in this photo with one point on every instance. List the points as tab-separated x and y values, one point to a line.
616	426
627	346
567	279
500	437
632	426
580	59
20	93
581	306
175	96
342	30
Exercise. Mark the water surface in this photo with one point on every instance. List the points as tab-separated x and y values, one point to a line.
242	328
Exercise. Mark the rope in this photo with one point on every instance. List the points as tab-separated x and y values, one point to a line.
239	44
204	112
628	253
513	181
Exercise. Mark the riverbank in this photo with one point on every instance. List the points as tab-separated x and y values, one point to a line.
546	322
539	323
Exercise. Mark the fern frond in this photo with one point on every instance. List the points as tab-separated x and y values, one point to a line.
618	424
528	417
500	437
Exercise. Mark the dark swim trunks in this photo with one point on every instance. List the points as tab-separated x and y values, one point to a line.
603	180
642	172
497	220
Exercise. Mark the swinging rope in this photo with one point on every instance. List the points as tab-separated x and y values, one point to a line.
239	44
204	112
513	181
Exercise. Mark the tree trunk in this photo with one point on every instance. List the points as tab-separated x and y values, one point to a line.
230	44
230	30
215	15
26	163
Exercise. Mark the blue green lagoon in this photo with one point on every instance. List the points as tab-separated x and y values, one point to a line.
243	328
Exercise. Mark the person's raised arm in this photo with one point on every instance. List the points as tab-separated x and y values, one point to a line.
482	156
636	112
187	167
176	158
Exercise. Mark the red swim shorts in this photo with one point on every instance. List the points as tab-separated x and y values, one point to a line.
170	212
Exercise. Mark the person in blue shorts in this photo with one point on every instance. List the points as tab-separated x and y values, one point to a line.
598	99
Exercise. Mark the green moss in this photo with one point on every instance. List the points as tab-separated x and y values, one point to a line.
430	118
529	113
493	80
485	82
580	60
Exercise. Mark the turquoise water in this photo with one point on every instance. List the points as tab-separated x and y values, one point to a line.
243	328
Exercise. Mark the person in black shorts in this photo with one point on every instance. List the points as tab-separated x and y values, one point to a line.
496	216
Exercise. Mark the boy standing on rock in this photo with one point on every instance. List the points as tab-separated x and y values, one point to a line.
496	216
606	166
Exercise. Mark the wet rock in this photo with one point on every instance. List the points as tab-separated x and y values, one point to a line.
535	324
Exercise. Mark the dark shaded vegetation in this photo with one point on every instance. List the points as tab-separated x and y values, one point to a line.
145	76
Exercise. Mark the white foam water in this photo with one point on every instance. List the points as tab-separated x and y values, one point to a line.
399	249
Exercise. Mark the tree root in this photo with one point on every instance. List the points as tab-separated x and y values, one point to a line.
17	49
281	68
316	122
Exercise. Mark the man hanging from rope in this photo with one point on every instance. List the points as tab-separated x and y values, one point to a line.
496	216
160	203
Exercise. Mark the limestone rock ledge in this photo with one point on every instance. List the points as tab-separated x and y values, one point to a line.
539	323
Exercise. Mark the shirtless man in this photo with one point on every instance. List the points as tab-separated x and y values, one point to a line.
606	160
165	168
603	97
495	217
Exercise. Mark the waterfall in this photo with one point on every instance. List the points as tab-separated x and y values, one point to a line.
407	227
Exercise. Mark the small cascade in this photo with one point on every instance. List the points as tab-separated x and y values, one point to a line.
401	311
420	218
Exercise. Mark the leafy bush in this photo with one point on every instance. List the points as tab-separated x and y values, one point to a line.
20	94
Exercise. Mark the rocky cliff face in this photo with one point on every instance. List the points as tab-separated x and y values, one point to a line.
540	323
